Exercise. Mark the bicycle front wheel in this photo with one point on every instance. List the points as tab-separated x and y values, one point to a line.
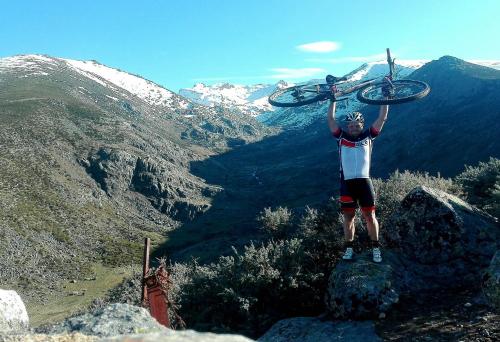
403	91
299	95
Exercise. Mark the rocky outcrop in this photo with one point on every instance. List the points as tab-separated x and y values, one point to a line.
437	240
310	329
491	282
13	315
168	187
115	319
123	322
111	169
441	239
179	336
361	289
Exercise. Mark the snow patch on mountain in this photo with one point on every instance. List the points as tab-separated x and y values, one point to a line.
31	65
144	89
251	100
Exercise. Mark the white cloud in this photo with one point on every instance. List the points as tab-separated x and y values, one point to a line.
321	47
287	73
361	59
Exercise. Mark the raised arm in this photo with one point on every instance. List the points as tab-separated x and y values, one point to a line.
382	116
334	127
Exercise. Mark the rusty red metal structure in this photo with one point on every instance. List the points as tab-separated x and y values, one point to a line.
154	291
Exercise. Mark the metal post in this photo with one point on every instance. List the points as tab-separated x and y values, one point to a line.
145	270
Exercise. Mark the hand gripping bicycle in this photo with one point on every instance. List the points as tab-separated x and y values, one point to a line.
378	91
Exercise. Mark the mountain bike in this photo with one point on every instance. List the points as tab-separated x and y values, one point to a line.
376	91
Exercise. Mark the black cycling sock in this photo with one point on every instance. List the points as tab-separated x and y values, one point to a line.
349	244
375	243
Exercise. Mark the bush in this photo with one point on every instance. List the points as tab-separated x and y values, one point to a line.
247	291
481	185
276	223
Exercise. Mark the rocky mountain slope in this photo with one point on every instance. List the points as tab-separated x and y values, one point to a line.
93	160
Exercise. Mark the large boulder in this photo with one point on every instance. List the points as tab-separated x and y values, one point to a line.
442	238
310	329
178	336
491	285
123	322
361	288
115	319
13	315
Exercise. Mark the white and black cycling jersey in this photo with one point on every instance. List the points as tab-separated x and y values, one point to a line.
355	153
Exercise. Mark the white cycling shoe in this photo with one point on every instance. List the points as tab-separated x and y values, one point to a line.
377	254
348	254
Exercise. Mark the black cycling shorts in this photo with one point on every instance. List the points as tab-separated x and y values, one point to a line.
357	191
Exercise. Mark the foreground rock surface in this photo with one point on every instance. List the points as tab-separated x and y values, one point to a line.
491	286
169	336
361	288
310	329
13	314
115	319
179	336
120	322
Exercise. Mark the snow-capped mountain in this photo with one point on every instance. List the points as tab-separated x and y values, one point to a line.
113	79
251	100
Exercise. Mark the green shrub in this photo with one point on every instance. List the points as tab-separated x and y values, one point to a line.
276	223
247	291
481	185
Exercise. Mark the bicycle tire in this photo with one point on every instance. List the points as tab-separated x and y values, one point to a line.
405	91
286	98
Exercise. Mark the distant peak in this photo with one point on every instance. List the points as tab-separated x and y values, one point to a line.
449	59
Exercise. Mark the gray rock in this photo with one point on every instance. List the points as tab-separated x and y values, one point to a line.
361	288
442	239
167	186
115	319
13	315
491	284
179	336
310	329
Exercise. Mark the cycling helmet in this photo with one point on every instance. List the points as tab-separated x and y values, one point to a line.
354	117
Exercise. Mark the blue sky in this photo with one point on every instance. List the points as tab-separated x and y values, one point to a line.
179	43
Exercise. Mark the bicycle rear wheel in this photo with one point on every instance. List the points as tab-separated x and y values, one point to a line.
299	95
403	91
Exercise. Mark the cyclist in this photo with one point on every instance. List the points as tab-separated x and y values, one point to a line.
355	147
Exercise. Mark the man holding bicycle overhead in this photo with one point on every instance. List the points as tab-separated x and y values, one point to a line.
356	188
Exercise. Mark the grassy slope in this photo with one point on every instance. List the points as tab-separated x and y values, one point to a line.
77	295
